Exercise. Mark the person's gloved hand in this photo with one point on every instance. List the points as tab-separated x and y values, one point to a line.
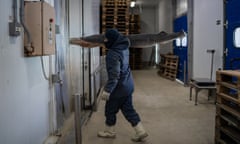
105	95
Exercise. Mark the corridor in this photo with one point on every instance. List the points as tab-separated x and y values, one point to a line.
165	110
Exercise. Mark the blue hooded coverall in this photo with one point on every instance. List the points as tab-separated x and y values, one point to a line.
120	82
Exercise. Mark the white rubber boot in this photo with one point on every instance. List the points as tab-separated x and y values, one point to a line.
140	133
109	132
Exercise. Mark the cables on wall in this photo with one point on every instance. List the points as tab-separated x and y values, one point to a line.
43	69
14	26
29	47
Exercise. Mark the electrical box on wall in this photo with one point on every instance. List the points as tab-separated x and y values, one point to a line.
40	22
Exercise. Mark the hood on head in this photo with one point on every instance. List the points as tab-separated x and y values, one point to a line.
115	40
112	35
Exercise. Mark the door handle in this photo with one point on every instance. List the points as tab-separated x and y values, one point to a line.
85	66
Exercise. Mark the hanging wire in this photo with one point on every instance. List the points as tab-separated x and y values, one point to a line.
43	69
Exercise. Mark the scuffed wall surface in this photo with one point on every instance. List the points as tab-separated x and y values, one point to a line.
148	25
157	19
92	26
207	35
75	52
24	92
165	22
182	6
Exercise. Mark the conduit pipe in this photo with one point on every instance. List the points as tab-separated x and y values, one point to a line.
28	47
14	10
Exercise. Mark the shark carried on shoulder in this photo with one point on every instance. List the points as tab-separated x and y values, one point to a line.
148	40
136	40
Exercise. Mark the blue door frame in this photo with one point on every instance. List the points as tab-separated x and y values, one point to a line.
232	53
181	51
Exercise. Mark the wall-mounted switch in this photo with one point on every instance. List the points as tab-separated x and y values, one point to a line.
14	28
40	22
218	22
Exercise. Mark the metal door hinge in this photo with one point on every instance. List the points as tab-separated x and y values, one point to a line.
226	24
56	78
85	66
86	96
225	52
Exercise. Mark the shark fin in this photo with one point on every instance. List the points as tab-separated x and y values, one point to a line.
162	33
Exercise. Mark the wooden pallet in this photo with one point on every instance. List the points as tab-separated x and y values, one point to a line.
168	76
116	2
227	116
115	15
226	135
228	107
134	24
171	63
168	66
115	10
228	86
228	76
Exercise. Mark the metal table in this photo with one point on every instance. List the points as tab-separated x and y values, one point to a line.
202	83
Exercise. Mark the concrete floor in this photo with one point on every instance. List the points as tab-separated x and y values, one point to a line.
166	112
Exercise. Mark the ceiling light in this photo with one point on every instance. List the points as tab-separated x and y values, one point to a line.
132	3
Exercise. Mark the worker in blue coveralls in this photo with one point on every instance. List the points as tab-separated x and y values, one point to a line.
119	87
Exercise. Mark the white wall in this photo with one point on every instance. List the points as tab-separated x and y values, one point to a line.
24	92
157	19
148	25
92	26
75	51
181	7
207	35
148	19
25	109
165	22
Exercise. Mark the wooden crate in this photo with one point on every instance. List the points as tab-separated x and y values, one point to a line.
224	135
168	66
228	107
115	14
226	116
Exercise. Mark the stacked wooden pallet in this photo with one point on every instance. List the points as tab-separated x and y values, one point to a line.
134	24
115	14
168	66
228	107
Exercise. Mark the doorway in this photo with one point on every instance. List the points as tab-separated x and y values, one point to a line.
232	35
181	48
